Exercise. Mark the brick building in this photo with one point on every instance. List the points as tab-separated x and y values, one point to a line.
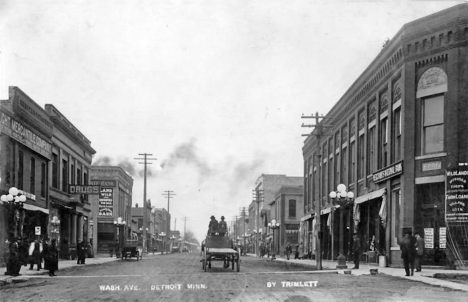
113	201
266	188
395	132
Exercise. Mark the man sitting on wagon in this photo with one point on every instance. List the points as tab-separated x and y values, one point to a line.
213	226
222	226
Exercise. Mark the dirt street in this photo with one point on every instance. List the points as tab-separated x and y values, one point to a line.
179	277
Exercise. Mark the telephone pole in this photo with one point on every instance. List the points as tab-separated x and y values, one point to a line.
257	198
145	162
185	222
318	134
242	211
169	195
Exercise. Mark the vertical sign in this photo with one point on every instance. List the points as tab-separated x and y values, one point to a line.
443	238
106	202
456	196
429	238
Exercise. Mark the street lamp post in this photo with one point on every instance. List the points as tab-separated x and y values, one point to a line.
273	225
343	199
14	201
120	223
162	235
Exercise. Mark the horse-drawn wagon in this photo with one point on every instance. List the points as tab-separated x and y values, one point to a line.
218	247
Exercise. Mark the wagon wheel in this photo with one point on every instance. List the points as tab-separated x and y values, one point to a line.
204	260
238	261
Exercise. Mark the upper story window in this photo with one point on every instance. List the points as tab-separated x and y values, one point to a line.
43	179
20	170
433	124
431	88
383	162
64	175
32	177
292	208
55	171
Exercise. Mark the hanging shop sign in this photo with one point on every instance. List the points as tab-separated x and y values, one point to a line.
78	189
389	172
106	202
24	135
456	196
443	238
429	238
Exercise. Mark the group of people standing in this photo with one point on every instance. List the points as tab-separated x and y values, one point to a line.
17	254
412	251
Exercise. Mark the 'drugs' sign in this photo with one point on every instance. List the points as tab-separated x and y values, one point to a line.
456	196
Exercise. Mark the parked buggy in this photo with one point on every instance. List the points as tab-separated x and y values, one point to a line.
132	248
220	248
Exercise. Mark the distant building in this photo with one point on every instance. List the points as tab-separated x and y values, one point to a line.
138	214
265	190
114	201
287	209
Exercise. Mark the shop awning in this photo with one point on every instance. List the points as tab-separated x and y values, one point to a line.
31	207
308	216
369	196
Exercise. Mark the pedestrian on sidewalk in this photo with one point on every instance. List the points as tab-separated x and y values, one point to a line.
81	252
288	250
419	251
52	258
408	251
356	251
6	256
35	254
45	252
14	260
110	245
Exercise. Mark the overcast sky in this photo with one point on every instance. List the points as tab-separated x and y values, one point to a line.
213	89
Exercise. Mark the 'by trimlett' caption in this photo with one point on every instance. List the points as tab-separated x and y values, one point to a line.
292	284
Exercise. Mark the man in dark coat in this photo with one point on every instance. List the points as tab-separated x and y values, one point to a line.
52	258
81	252
222	226
356	251
419	252
288	250
408	251
213	226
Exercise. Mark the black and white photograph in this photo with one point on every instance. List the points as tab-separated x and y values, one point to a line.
233	150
